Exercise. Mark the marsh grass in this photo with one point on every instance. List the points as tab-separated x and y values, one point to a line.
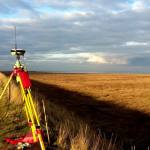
67	131
113	103
128	90
83	139
12	118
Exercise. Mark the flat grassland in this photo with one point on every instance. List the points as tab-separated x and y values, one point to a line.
130	91
109	103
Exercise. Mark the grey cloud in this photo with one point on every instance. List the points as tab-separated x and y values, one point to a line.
102	31
16	8
93	26
140	61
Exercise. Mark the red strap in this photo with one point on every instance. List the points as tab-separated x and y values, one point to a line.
28	138
25	79
24	76
14	142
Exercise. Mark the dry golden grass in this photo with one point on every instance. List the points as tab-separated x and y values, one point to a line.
130	91
69	132
79	105
12	117
111	103
12	90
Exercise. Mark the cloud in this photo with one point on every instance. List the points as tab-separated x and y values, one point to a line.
6	27
13	8
12	21
140	61
92	58
138	6
95	32
89	58
134	43
97	58
72	57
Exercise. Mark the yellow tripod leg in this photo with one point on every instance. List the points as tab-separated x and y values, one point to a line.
6	86
25	107
41	141
32	105
32	116
37	119
29	111
33	128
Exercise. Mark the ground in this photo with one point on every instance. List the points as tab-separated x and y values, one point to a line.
113	103
116	105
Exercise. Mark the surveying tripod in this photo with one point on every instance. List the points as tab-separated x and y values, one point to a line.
22	78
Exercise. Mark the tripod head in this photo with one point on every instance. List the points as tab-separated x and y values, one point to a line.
17	52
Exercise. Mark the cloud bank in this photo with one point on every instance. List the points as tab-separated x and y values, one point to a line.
90	33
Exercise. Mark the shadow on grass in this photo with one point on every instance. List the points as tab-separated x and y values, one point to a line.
131	126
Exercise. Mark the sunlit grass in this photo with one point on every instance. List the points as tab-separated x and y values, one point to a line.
67	131
12	118
127	90
113	103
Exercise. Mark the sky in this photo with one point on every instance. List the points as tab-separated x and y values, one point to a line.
77	35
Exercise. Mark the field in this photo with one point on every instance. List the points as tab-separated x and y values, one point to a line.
130	91
95	111
108	103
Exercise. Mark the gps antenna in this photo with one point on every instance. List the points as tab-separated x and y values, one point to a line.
17	51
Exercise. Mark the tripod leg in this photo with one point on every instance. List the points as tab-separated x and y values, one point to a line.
32	105
33	114
7	84
41	141
33	128
37	119
29	112
25	107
